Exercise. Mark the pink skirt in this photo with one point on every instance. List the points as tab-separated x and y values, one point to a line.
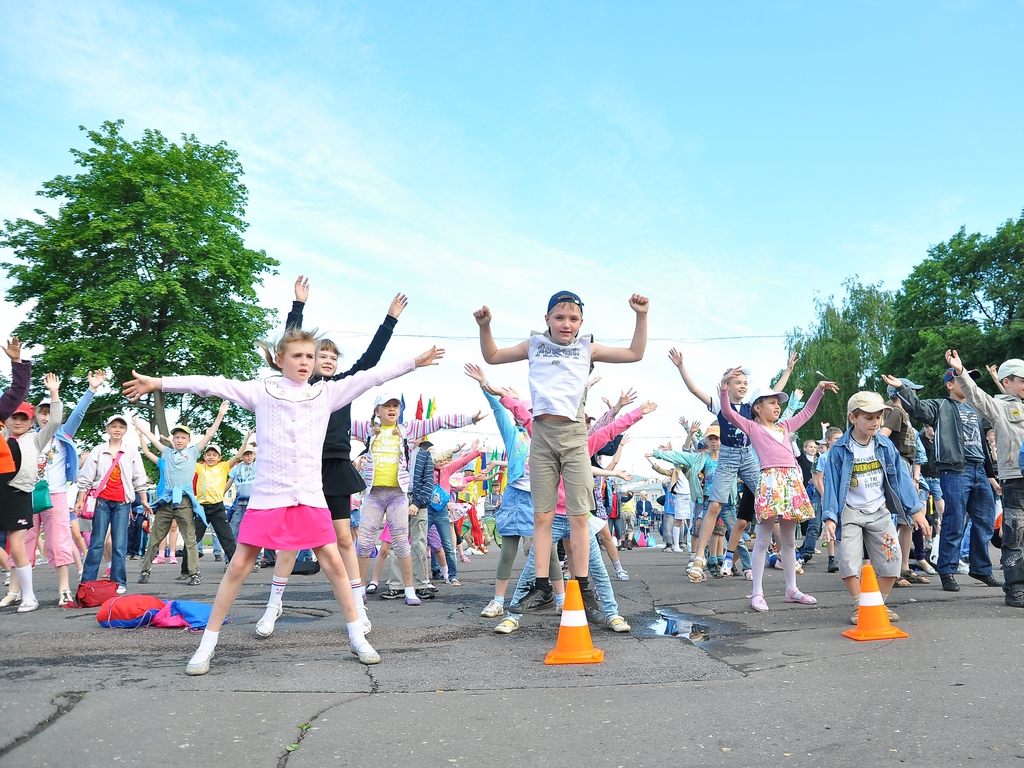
287	528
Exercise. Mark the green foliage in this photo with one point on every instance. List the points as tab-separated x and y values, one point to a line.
144	267
966	295
845	342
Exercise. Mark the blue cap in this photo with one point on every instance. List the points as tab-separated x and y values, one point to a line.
974	373
907	383
565	297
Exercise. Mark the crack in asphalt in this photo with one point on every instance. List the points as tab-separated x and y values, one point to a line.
64	702
282	761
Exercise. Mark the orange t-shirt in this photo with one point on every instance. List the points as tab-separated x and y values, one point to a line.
114	489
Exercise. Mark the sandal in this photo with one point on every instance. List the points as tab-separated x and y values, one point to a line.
371	587
796	596
902	581
914	577
757	603
695	572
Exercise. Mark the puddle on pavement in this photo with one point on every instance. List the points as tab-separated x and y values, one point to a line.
674	624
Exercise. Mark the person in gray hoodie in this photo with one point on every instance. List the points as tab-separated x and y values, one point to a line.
1006	412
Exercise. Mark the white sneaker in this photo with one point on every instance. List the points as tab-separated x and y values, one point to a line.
265	626
621	575
507	626
963	568
618	624
367	655
367	626
198	665
678	549
493	610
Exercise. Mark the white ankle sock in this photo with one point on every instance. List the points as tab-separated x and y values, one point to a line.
410	591
356	638
675	537
444	573
206	646
358	590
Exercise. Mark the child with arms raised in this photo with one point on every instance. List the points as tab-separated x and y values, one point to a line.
780	494
560	363
287	509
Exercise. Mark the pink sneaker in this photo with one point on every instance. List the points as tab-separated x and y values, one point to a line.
464	559
106	574
158	559
173	560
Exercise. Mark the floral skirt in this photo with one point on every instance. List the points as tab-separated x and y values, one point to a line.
781	494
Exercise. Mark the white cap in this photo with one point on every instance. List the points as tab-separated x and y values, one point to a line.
115	417
385	397
759	393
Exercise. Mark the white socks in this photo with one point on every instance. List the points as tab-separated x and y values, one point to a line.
25	579
277	585
675	536
410	592
206	647
356	638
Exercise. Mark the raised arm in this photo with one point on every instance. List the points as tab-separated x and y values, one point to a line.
994	373
784	378
794	423
21	374
208	436
926	411
677	360
380	339
74	421
733	417
982	401
45	435
491	354
294	319
234	460
635	351
144	445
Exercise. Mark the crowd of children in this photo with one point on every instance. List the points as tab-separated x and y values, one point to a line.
870	491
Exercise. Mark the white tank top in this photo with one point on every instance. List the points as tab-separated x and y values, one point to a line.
559	375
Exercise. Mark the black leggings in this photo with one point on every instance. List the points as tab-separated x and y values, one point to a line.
340	506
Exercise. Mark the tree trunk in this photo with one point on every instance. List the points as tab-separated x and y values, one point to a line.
159	414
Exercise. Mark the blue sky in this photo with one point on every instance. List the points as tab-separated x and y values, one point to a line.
732	161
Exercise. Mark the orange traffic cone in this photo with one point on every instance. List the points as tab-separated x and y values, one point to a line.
574	645
872	620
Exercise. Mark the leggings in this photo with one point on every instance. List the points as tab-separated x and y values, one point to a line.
381	502
509	548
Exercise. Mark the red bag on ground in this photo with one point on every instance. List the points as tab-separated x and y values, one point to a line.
93	593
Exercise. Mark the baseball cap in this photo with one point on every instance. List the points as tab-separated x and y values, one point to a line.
907	383
386	397
1013	367
116	417
181	428
713	429
974	373
45	401
759	393
869	402
25	409
213	447
565	297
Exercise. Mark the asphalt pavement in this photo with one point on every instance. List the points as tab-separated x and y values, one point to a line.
778	688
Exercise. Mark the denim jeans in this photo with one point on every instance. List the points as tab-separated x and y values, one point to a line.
112	515
813	531
241	504
596	568
968	494
444	529
733	463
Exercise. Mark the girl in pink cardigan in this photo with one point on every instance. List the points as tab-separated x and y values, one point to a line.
287	509
780	496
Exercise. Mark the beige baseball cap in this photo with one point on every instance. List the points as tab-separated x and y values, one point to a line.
869	402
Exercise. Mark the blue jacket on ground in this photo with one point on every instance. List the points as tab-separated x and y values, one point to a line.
898	486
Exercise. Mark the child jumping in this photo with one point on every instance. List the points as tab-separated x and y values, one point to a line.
287	509
865	483
560	363
780	496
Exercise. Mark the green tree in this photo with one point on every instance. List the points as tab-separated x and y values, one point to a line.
846	342
143	266
965	295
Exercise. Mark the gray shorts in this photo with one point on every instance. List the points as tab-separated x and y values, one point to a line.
558	450
871	531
